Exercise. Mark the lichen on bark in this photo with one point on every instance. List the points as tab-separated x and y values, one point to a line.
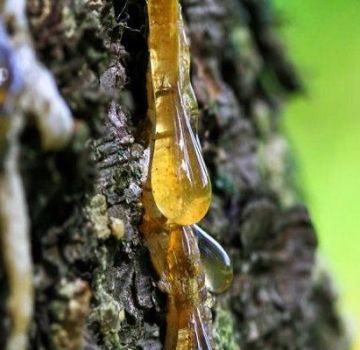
94	284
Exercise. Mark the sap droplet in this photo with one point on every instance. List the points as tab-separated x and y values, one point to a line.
179	180
216	262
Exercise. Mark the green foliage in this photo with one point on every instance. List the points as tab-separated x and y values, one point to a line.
323	37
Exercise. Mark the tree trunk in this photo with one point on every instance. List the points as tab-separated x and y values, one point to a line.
94	285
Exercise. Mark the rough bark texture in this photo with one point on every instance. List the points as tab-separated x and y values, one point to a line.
95	287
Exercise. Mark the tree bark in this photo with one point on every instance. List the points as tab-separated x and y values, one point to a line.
94	284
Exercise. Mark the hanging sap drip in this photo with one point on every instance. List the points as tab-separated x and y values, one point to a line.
189	99
188	326
177	193
216	262
179	180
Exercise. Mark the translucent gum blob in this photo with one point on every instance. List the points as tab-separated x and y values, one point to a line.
216	262
179	180
178	188
187	322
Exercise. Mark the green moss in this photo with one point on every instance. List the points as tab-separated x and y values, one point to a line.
225	183
224	331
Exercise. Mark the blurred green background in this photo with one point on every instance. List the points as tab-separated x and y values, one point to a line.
323	38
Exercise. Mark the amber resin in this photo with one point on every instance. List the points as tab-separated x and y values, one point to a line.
179	180
177	193
176	258
216	262
186	317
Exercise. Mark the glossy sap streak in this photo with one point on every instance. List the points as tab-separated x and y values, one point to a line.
202	339
179	179
189	99
187	319
178	191
216	262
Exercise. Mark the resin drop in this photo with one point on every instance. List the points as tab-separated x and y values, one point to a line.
216	262
177	193
188	326
179	180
